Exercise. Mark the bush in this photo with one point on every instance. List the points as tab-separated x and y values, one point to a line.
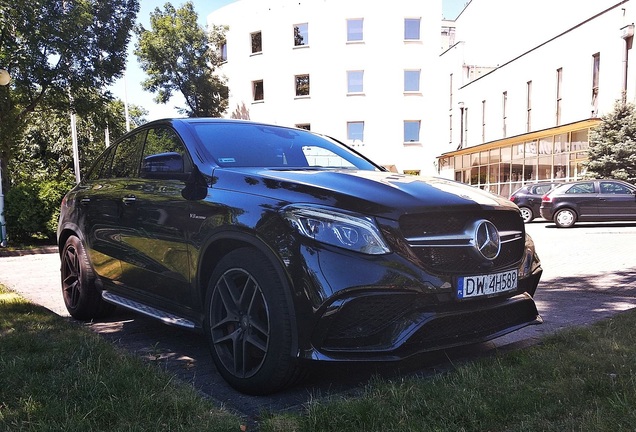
32	210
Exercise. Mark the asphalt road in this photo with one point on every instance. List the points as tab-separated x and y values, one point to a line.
589	274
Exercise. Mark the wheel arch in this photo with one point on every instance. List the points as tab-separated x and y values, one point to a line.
66	232
221	244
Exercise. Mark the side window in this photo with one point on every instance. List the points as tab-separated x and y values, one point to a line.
126	159
614	188
164	154
583	188
102	164
542	189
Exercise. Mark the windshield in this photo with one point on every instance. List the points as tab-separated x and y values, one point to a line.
256	145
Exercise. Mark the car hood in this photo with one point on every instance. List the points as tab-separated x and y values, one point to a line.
374	193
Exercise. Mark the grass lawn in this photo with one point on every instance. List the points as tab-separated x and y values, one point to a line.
58	376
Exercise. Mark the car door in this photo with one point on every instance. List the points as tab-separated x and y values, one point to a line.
583	197
155	217
100	201
616	201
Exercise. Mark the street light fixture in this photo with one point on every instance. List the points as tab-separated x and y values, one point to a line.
5	78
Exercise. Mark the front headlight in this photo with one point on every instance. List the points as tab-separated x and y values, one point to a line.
354	232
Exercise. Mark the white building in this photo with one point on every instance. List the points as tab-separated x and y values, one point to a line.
526	81
361	71
503	95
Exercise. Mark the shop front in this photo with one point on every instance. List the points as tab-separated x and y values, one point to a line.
505	165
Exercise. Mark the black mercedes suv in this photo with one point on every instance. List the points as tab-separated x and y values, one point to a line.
284	247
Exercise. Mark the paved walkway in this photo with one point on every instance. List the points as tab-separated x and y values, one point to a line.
589	274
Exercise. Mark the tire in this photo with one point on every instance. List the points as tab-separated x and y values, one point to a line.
248	324
565	218
81	297
526	214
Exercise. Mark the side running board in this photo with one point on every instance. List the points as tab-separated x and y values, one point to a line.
165	317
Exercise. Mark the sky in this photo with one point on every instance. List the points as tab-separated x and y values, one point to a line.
130	89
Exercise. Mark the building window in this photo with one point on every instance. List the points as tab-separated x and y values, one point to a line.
411	131
483	121
302	85
301	34
355	131
411	29
305	126
596	60
257	90
257	42
504	110
528	106
450	93
559	82
355	81
355	30
223	51
411	80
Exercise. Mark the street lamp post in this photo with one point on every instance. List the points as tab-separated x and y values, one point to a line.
5	79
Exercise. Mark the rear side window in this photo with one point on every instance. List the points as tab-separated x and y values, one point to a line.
614	188
583	188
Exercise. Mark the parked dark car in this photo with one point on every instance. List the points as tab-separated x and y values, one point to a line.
284	246
590	201
528	198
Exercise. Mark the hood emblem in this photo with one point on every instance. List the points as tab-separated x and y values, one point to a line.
487	240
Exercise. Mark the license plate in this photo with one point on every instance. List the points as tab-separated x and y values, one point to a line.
486	285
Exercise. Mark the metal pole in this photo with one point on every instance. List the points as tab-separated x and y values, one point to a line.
3	225
75	148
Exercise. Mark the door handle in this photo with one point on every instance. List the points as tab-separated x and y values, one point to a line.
85	201
130	199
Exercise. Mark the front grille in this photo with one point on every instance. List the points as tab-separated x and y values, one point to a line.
443	241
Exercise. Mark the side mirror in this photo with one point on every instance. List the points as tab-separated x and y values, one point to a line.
167	166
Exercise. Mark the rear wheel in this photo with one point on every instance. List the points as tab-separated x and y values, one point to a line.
248	324
565	218
526	214
81	297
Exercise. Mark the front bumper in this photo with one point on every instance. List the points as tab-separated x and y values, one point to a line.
384	326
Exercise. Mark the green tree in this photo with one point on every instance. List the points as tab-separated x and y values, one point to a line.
179	56
58	53
45	153
612	150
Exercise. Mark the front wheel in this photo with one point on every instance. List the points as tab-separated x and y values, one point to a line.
81	297
249	324
565	218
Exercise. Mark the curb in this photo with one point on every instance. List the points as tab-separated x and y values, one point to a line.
32	251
